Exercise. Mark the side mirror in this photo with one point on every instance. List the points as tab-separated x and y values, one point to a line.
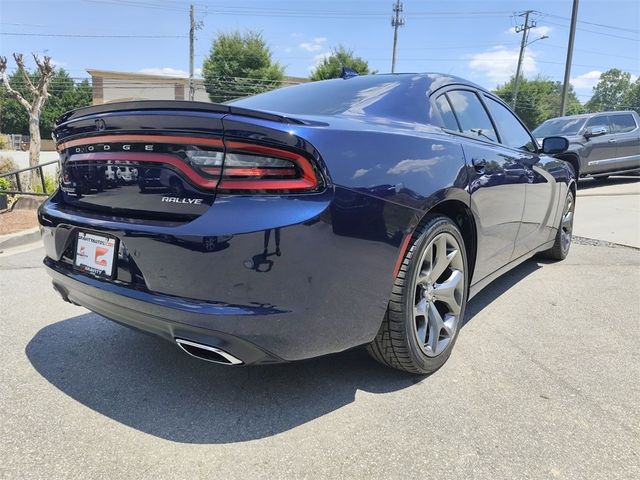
595	131
553	145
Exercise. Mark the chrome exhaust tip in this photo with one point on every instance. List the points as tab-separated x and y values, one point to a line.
207	352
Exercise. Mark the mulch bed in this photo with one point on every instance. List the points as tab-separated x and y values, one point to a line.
17	220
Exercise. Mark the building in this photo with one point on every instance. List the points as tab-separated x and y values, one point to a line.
110	86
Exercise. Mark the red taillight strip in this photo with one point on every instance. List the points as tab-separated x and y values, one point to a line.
208	142
163	158
308	181
257	171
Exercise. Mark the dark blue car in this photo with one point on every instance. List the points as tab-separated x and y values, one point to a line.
307	220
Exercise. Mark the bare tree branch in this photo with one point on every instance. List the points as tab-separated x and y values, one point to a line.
46	72
20	62
4	80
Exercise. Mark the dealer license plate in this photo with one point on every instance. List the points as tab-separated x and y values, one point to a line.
95	254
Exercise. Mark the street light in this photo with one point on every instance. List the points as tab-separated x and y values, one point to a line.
524	45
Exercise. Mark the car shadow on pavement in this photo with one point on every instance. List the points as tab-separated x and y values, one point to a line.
149	384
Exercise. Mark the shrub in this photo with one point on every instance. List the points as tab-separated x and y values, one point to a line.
50	182
5	184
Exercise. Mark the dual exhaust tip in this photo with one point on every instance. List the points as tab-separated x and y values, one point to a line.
207	352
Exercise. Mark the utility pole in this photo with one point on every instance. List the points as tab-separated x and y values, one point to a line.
396	22
567	67
523	44
192	29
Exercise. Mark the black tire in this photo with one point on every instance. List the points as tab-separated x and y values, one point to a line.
396	344
560	248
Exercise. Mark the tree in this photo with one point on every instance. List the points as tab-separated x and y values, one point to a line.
632	98
331	66
538	99
33	102
239	65
610	92
64	94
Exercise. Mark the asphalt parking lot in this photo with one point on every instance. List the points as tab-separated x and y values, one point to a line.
543	383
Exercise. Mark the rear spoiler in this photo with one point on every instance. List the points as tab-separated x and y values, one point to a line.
141	105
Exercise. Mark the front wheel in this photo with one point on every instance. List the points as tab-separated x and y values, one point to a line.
428	300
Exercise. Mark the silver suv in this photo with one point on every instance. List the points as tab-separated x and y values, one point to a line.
600	144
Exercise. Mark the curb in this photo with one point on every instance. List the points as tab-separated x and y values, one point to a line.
20	238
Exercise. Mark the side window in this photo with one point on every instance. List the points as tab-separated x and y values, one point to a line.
448	118
471	115
622	123
598	121
512	133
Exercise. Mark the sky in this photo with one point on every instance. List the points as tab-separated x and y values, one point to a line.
471	39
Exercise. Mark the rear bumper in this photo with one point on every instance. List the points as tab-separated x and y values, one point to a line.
322	286
161	315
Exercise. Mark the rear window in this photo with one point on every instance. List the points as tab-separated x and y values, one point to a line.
383	95
471	115
622	123
448	118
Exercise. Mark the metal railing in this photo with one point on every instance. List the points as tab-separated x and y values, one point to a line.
16	175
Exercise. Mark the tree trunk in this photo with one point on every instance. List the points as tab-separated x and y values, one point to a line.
34	149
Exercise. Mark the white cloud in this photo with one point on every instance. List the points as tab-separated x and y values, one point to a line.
586	81
315	45
317	59
499	63
360	172
171	72
540	31
535	32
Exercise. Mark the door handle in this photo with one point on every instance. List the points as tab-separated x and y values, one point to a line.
479	164
612	140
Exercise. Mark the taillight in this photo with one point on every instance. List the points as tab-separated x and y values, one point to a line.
258	167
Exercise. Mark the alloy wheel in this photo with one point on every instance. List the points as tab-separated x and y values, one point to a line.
438	294
567	222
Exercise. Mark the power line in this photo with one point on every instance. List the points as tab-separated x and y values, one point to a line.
596	32
602	25
80	35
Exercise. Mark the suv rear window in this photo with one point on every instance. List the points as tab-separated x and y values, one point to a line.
622	123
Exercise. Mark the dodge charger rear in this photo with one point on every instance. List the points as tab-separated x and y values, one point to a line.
293	224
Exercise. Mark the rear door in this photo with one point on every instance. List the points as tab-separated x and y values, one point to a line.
497	178
598	151
626	134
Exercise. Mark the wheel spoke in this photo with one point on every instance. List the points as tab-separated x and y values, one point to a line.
435	325
449	324
421	326
446	291
423	277
440	260
420	309
567	220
